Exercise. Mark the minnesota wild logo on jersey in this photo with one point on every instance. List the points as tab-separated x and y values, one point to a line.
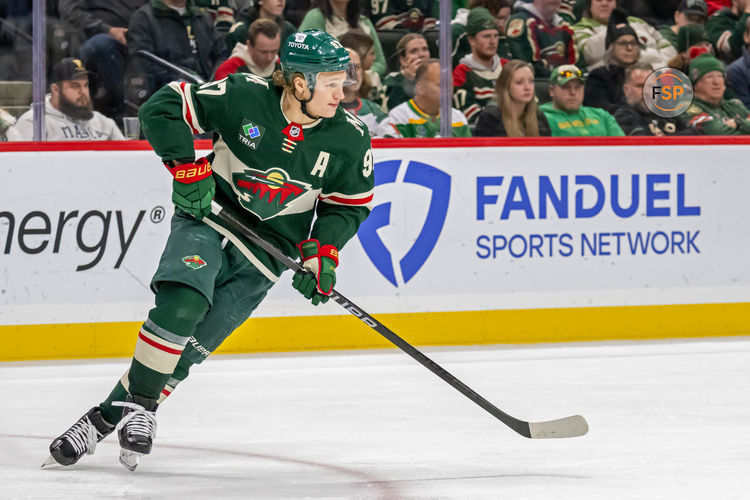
267	193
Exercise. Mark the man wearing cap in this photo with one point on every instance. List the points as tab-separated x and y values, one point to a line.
537	34
604	84
689	12
591	33
500	10
69	113
710	113
738	73
691	42
725	29
566	114
474	77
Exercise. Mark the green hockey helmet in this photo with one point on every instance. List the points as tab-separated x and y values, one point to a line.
313	51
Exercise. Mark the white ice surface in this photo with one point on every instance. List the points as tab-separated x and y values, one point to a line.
669	420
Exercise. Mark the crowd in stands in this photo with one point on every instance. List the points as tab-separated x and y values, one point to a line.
521	68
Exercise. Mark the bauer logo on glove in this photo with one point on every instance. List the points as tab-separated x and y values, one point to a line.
193	188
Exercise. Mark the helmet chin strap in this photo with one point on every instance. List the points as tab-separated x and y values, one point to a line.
303	104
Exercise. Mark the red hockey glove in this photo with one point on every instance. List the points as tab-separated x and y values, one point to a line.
193	187
320	262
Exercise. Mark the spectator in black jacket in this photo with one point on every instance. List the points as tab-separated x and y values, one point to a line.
633	116
260	9
516	113
604	84
738	73
104	24
176	31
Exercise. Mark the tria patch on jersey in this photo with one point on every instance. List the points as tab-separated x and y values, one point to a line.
250	134
194	262
267	193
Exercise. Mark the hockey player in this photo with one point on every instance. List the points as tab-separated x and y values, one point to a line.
285	151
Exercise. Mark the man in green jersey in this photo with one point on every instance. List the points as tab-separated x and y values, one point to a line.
420	117
725	28
710	113
566	114
292	165
475	76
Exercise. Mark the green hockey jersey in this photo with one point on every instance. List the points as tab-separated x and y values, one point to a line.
410	121
396	89
724	29
545	46
474	86
570	10
730	117
273	173
410	15
371	115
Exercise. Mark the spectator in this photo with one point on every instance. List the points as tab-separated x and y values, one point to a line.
654	12
500	9
363	45
367	111
103	24
710	113
566	114
691	42
258	55
689	12
295	10
398	87
176	31
221	13
420	116
516	113
591	33
570	10
537	34
474	78
725	29
69	112
411	15
260	9
604	84
339	16
738	73
714	5
633	116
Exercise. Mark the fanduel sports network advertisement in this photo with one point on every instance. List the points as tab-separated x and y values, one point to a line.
452	229
500	228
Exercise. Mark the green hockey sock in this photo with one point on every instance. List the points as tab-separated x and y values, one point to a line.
163	336
113	414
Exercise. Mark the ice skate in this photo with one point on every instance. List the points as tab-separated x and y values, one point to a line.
81	438
136	430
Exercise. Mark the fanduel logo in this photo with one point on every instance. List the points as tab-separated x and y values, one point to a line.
439	183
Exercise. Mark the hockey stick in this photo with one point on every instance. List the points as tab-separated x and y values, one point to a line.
572	426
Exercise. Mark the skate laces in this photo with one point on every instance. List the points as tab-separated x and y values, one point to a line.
82	436
139	420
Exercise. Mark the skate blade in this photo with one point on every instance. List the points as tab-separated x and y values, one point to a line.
50	462
130	459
